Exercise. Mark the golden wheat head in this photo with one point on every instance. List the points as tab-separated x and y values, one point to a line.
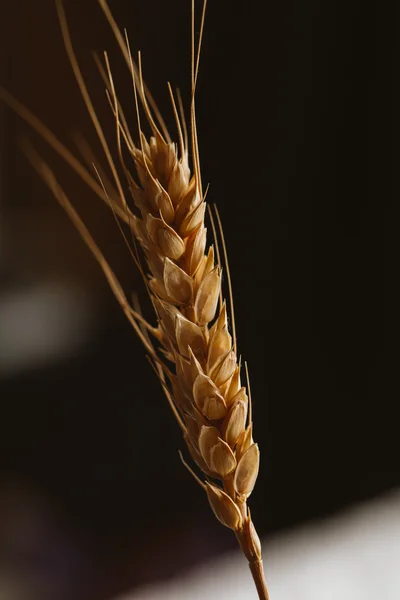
191	348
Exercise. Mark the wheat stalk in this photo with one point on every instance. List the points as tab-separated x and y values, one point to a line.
191	349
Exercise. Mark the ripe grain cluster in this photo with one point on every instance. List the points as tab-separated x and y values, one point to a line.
191	346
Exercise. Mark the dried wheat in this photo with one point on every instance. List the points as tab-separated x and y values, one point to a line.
194	353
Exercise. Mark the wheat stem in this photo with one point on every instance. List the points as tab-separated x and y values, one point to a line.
257	571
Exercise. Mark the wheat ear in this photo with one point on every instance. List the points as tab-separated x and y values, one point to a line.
195	355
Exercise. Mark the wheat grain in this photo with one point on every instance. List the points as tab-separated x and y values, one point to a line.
194	354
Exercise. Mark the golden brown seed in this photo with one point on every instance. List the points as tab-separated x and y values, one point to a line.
224	369
216	453
208	399
207	297
163	158
178	284
220	321
235	422
177	182
208	438
219	346
205	267
158	289
188	202
152	152
152	191
193	220
195	249
223	460
247	471
170	243
195	366
225	387
198	459
224	507
189	334
240	396
165	206
234	386
244	442
167	242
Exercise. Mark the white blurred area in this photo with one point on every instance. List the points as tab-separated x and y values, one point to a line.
40	324
354	556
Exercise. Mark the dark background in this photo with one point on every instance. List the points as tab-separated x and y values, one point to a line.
298	123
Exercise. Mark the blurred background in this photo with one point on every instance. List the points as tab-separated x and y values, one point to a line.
298	128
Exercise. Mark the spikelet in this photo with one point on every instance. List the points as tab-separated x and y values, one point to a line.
195	355
193	328
185	286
